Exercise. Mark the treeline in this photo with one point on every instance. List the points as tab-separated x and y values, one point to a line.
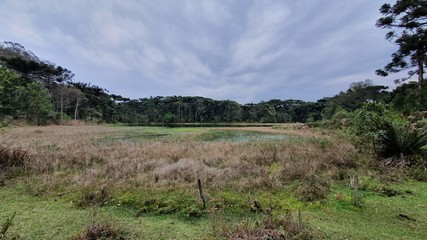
40	92
178	109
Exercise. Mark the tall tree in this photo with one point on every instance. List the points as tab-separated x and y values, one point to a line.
408	19
21	99
15	56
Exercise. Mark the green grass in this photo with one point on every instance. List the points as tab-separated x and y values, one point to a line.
38	218
378	216
142	134
337	218
238	136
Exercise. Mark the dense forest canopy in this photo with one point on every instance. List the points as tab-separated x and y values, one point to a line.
41	92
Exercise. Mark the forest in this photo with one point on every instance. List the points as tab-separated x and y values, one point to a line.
40	92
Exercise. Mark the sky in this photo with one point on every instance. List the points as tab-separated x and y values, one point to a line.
242	50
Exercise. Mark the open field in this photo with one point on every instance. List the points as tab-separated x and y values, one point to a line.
143	180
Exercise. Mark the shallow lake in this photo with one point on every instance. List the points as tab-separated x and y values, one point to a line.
200	135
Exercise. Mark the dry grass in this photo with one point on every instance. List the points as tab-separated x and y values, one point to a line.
73	155
101	231
271	227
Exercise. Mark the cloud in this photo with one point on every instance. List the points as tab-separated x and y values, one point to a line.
241	50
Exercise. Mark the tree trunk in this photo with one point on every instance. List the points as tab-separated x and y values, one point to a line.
62	103
420	69
76	109
420	75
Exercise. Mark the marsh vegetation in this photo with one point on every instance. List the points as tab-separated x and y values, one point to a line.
256	180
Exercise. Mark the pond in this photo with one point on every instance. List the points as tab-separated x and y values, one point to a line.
202	134
240	136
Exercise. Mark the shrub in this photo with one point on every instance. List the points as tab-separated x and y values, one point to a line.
388	134
396	140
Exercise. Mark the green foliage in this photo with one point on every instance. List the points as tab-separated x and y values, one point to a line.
169	118
23	99
408	19
375	126
38	104
409	98
11	93
339	120
331	108
360	93
15	57
370	119
399	139
337	108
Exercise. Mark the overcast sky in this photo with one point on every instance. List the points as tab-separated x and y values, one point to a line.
243	50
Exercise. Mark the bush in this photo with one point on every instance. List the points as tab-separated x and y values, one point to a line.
400	140
386	132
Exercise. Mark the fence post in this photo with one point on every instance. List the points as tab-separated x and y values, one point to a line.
202	195
356	190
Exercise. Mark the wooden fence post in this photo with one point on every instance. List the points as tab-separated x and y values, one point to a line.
202	195
356	190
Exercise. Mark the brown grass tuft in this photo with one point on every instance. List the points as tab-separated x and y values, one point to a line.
281	228
100	231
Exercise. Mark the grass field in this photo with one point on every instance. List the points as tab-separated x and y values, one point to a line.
142	181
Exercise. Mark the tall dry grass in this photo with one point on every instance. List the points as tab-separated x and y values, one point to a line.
75	156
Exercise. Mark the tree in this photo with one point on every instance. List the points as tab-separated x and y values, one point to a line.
359	93
22	99
408	18
37	102
404	98
16	50
15	56
169	118
11	93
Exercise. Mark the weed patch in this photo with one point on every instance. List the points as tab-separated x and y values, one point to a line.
270	227
93	197
13	157
101	231
312	190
